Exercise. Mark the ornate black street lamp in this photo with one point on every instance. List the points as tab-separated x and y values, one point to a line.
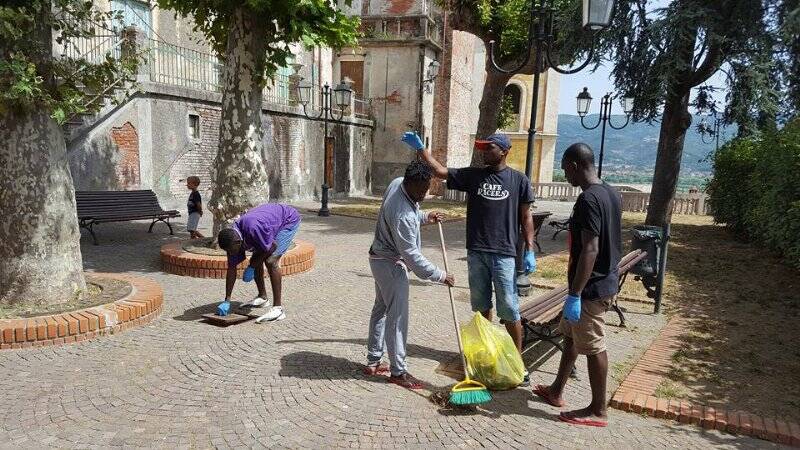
596	17
585	100
342	95
712	130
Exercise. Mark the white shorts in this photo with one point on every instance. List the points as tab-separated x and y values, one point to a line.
194	220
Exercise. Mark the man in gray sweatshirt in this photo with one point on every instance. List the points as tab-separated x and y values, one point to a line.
396	250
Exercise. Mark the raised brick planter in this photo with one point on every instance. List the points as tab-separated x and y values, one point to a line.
177	261
637	394
141	306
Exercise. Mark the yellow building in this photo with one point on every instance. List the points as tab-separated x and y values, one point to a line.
519	89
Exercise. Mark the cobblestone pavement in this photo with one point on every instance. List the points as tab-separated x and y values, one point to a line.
179	382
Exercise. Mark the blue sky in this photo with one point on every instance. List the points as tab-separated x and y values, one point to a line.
599	83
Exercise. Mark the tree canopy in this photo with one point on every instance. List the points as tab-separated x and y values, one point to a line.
30	77
754	43
507	22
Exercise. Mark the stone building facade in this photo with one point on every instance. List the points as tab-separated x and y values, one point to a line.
167	126
389	68
401	39
458	94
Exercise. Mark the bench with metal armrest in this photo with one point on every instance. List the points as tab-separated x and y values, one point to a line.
539	316
96	207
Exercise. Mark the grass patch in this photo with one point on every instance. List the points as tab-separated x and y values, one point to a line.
669	389
731	292
368	208
732	353
552	268
621	369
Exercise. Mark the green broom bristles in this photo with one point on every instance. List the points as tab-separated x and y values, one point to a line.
471	397
469	392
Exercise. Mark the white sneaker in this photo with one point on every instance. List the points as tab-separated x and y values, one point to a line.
256	302
274	314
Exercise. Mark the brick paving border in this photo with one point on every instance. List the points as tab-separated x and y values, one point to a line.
637	394
177	261
142	305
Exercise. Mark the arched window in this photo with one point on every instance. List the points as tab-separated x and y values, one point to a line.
508	118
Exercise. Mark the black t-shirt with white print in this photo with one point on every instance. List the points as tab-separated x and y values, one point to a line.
493	199
598	211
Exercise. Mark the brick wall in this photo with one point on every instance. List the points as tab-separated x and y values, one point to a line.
196	158
127	166
147	144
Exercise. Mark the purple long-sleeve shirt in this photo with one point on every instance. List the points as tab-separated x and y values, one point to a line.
259	226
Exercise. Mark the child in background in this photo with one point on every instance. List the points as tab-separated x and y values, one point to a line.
195	205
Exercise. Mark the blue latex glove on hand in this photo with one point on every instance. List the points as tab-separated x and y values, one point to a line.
248	274
413	140
224	308
572	308
529	262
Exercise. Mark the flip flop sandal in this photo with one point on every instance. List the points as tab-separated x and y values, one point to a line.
380	369
542	392
407	382
583	421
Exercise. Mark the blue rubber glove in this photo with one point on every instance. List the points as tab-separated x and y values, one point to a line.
572	308
224	308
249	274
529	261
413	140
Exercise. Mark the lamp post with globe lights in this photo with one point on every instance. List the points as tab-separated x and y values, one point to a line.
342	95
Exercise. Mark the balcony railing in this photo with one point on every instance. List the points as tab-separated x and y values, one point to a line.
174	65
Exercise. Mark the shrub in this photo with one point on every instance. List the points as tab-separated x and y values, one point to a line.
754	192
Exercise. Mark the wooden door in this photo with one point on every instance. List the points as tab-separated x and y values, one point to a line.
329	160
354	70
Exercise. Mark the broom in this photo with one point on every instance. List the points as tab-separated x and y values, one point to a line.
468	391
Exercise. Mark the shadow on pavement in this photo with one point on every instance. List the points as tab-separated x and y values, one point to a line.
196	313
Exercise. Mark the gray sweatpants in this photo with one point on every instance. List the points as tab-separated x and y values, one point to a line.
388	325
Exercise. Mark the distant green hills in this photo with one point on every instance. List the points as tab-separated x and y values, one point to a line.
631	152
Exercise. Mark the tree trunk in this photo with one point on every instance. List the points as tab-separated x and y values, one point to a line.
240	178
491	102
40	254
674	123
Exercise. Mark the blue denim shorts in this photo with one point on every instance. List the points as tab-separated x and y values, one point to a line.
487	269
284	238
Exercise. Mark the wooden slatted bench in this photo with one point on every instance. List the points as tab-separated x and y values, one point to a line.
96	207
539	316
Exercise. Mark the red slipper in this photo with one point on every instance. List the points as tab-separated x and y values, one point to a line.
407	381
583	421
544	394
380	369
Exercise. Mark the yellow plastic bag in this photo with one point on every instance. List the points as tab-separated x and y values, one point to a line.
492	357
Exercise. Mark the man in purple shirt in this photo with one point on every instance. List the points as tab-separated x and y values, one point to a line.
266	231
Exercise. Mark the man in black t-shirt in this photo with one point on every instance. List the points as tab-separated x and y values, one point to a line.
498	201
595	244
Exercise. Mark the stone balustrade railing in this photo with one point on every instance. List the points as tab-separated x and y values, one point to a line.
632	200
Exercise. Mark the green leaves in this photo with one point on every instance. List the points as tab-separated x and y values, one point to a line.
507	22
754	193
657	52
506	117
30	77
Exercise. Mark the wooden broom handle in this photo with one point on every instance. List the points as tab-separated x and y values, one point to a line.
452	302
